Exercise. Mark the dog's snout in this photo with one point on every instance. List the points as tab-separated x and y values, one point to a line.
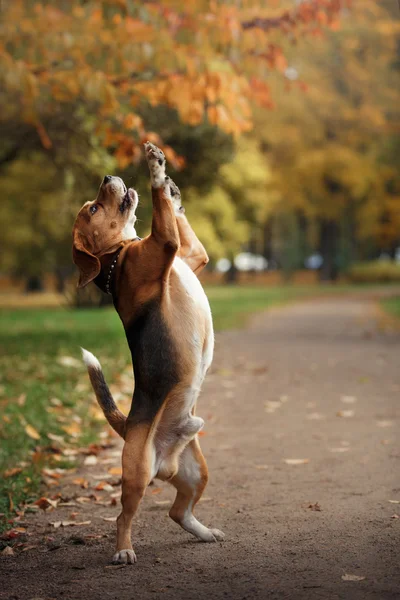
107	178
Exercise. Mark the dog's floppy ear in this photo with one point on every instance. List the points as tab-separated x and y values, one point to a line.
88	264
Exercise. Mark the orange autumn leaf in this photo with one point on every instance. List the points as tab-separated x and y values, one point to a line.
12	472
115	471
82	482
156	491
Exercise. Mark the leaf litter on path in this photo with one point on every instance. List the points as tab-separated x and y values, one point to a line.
57	524
348	399
349	577
347	414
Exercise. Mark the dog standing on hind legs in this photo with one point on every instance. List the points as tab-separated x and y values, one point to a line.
168	325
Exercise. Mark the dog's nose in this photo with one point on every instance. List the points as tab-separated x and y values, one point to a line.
107	178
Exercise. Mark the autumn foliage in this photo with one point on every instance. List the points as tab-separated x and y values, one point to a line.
208	60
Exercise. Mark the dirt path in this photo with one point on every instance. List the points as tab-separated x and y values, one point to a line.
275	393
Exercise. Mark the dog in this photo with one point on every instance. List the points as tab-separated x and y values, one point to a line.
168	325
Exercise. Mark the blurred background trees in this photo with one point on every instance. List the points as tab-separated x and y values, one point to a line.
279	119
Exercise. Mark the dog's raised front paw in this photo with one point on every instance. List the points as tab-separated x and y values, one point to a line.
156	161
124	557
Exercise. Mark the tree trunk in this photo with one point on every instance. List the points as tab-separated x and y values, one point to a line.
34	283
329	236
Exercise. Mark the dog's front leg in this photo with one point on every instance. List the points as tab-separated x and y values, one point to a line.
191	250
164	230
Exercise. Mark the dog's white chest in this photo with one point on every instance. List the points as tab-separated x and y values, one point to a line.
192	285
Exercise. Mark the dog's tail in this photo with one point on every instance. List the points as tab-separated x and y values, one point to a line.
111	412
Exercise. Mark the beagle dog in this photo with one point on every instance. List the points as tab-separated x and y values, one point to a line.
168	326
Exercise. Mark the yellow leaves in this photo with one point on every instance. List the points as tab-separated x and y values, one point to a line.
74	429
32	432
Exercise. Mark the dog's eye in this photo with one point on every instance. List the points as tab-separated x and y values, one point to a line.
93	209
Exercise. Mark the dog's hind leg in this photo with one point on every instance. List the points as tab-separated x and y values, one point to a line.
190	482
137	461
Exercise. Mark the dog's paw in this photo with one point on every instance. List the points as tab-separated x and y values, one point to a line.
124	557
175	196
156	161
210	536
219	536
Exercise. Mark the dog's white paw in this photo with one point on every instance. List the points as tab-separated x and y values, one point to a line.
156	161
124	557
210	536
219	536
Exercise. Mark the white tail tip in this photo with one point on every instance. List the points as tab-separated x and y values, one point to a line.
90	360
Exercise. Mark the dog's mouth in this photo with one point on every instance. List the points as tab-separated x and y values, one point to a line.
127	200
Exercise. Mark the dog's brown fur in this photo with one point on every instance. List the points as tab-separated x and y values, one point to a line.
169	330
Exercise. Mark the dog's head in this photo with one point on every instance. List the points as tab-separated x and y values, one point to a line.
102	225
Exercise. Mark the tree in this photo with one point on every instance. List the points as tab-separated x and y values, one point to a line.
111	59
332	147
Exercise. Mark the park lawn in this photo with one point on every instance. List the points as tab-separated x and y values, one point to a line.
392	306
44	388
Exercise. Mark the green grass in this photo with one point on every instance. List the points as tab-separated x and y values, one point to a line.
392	306
36	390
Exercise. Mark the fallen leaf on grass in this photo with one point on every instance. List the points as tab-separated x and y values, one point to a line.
21	400
69	361
345	413
348	577
115	471
54	473
57	524
31	431
8	551
13	533
315	507
109	518
296	461
12	472
74	429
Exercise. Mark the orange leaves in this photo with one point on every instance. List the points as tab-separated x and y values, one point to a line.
199	62
115	471
12	472
46	503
